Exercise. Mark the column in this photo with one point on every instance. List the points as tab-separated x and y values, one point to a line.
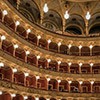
80	86
87	31
18	3
27	53
58	84
48	79
59	44
48	41
14	71
27	33
69	65
90	49
16	25
38	38
80	65
92	82
64	24
91	65
37	77
80	50
48	61
69	82
15	47
69	46
2	39
4	14
58	66
25	74
38	57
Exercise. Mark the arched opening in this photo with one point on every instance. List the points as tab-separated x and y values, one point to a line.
43	43
96	87
42	63
85	69
63	67
85	51
6	73
74	87
7	46
63	49
96	68
52	20
63	86
96	50
31	98
31	81
9	21
53	65
21	31
42	83
19	78
53	85
53	47
86	87
31	59
32	38
74	68
20	54
74	50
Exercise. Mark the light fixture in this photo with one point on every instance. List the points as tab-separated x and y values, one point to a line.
26	74
49	60
69	63
59	62
16	46
13	95
45	8
69	82
1	64
59	81
49	41
47	99
80	46
91	46
80	64
36	98
28	31
48	79
39	37
81	82
59	44
27	52
88	16
69	45
91	64
25	97
17	23
38	57
92	82
1	92
5	12
3	37
66	15
14	70
37	77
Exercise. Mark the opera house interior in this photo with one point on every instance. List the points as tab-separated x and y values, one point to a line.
49	49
